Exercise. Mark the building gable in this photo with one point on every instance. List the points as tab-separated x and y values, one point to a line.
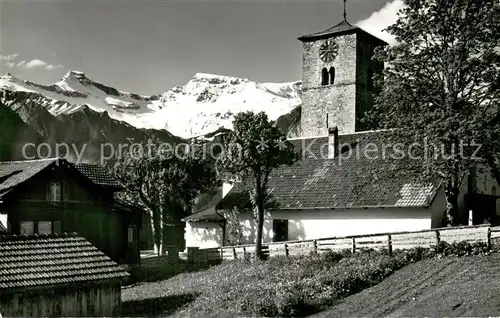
14	174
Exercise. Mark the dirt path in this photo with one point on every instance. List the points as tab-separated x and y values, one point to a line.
452	287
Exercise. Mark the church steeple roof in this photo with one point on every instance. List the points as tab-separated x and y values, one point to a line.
343	27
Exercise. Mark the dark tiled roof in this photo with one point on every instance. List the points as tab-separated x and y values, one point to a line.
318	182
29	261
340	28
98	175
13	173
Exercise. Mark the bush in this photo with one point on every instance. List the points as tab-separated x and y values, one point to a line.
461	248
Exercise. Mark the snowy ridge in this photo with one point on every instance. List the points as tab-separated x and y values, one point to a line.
203	105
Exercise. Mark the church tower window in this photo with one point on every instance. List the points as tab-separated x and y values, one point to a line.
324	76
332	75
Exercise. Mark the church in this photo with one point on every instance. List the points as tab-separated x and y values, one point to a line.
319	197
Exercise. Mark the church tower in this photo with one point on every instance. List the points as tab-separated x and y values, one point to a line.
337	79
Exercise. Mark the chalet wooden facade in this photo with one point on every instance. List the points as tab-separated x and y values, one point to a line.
70	278
54	196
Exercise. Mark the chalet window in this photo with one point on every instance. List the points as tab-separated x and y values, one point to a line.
54	192
57	227
27	227
280	229
44	227
131	234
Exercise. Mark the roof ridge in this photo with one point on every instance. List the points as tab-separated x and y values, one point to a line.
32	160
25	237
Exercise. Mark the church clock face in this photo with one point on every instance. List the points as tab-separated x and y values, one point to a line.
328	51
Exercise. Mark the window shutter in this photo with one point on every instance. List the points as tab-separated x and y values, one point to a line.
65	190
48	192
130	234
57	191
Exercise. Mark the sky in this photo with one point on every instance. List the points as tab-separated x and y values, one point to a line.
147	47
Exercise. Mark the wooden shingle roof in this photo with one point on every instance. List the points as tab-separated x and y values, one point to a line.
98	175
40	260
13	173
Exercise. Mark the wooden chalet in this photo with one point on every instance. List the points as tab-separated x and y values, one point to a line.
52	275
53	196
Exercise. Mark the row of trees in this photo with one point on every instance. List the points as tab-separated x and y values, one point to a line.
441	83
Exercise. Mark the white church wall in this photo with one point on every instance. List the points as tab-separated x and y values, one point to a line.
315	224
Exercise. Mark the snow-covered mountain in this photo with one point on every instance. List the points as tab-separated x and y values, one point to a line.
205	104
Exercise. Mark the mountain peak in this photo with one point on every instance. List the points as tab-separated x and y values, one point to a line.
9	76
218	79
206	103
74	75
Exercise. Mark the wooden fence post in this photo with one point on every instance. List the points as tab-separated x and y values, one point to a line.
315	247
389	244
221	254
353	248
244	253
488	238
286	250
438	238
234	253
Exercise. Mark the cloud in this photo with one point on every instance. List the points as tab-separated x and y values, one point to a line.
381	19
51	67
35	63
9	57
28	65
20	64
